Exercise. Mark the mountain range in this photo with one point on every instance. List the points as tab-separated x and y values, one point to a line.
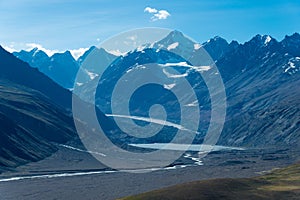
261	79
61	67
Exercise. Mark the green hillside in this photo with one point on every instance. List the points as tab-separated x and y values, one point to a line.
279	184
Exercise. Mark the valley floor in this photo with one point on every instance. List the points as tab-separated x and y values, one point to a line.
86	178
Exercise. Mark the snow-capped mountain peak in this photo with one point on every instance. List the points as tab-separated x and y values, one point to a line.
267	39
174	40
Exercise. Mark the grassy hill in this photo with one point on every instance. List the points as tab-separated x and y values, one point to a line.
279	184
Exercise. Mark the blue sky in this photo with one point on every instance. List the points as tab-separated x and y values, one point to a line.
65	24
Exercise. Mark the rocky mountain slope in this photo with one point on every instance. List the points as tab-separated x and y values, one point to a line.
34	113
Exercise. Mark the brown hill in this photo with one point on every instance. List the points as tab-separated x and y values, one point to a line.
279	184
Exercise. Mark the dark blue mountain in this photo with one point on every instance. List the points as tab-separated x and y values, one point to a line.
261	79
217	47
291	44
21	73
34	113
60	67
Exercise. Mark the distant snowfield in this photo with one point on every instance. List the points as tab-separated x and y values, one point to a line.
185	64
173	46
201	148
151	120
91	74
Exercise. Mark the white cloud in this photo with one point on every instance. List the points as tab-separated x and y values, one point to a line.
133	37
157	14
150	10
10	49
49	52
162	14
15	47
76	53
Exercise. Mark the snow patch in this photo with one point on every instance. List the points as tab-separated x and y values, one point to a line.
169	75
291	65
193	104
35	52
80	150
91	74
200	148
180	64
141	48
173	46
196	159
151	120
197	46
185	64
268	39
169	86
117	52
202	68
